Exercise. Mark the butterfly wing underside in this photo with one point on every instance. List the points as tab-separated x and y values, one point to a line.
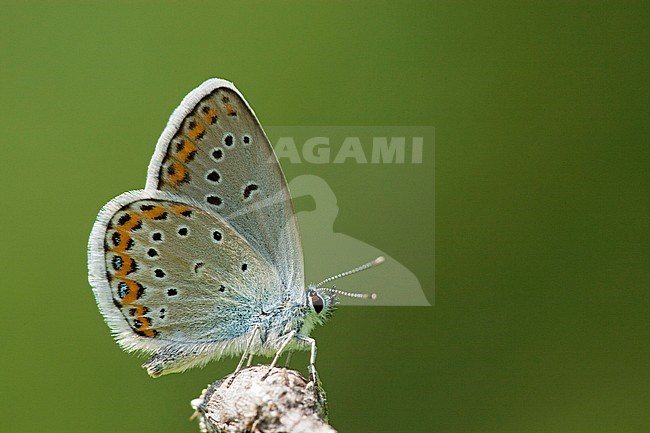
180	268
169	273
214	151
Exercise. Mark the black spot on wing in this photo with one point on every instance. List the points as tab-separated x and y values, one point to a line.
249	189
214	200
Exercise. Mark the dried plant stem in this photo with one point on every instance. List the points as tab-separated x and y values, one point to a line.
284	401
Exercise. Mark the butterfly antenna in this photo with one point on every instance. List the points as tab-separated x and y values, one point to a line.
378	261
333	289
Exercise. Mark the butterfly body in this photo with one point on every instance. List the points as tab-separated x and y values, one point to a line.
205	261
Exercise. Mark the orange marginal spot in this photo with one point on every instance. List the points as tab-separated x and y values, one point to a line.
145	327
131	223
187	151
128	265
133	294
210	115
147	332
155	212
197	131
125	240
146	322
230	109
180	209
176	173
139	310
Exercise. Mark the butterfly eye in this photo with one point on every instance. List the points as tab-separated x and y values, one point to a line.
317	303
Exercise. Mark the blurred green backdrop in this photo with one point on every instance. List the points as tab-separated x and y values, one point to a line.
541	275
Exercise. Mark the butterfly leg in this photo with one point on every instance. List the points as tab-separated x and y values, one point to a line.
283	346
250	359
313	375
286	363
244	356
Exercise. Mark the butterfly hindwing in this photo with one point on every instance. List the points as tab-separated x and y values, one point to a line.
214	151
168	272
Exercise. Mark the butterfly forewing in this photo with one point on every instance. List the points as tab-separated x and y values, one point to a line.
178	273
215	152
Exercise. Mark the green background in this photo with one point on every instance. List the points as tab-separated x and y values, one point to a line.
541	275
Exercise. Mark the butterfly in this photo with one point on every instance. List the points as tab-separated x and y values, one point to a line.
206	260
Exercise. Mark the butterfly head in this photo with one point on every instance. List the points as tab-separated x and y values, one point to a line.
321	302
